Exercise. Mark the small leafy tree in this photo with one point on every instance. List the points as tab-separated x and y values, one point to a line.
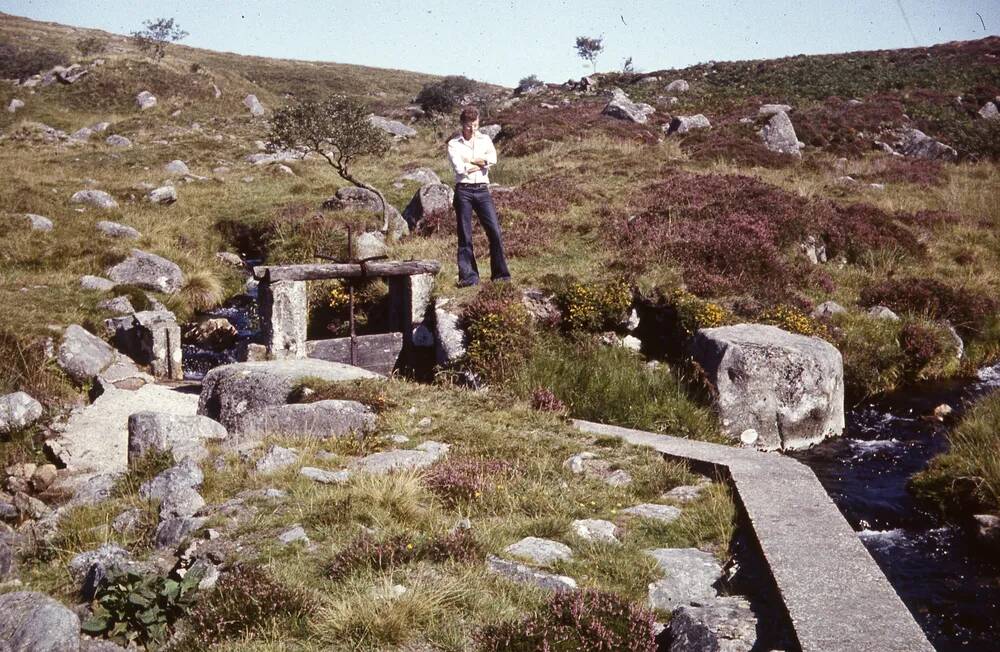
588	49
337	129
443	96
90	45
159	33
627	66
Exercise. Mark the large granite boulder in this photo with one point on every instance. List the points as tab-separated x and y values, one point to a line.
682	124
182	435
253	104
83	355
352	198
34	622
916	144
18	410
621	107
779	135
431	204
394	128
231	391
787	389
147	271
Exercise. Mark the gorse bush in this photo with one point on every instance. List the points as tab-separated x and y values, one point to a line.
132	608
499	331
246	600
576	620
592	307
793	320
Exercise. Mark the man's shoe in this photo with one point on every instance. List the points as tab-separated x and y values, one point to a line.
467	283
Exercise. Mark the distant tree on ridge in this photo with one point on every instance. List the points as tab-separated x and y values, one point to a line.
588	49
159	33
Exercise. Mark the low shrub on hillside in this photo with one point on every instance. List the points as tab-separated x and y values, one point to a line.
967	308
464	479
734	143
613	385
367	553
448	94
88	46
21	62
966	479
246	600
791	319
591	307
576	620
847	129
896	169
499	332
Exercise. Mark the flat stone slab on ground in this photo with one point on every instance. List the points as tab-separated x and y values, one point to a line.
322	419
595	529
663	513
182	435
323	476
230	391
95	438
724	624
528	575
542	552
277	458
293	534
387	461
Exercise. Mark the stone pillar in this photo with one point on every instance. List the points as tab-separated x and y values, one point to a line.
159	343
284	315
409	299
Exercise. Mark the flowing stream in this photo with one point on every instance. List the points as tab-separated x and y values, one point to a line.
952	589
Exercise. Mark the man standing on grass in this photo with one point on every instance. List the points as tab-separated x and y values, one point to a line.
471	154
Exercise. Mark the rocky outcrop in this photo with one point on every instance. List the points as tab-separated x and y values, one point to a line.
231	392
394	128
255	107
34	622
724	624
678	86
787	389
622	108
83	355
117	140
18	410
916	144
176	168
147	271
433	203
145	100
162	195
779	135
116	230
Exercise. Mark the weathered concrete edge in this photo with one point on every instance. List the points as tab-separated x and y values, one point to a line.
836	596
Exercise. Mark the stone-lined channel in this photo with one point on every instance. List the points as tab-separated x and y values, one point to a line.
952	589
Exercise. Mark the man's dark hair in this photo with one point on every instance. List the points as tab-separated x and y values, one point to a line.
469	114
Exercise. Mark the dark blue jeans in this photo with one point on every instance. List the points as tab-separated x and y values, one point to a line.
469	197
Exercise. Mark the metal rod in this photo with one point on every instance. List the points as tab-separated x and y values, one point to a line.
350	290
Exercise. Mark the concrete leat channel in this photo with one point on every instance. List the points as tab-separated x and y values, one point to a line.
836	597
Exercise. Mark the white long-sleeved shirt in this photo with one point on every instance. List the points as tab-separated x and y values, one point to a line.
461	152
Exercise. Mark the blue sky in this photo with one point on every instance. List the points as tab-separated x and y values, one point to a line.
502	41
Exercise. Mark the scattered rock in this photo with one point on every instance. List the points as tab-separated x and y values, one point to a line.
116	230
814	249
690	576
162	195
686	493
321	419
181	434
987	530
97	283
370	244
128	521
38	223
277	458
631	342
491	130
230	391
177	168
881	312
180	501
394	128
116	140
171	532
541	306
621	107
915	143
18	410
145	100
618	478
988	112
147	271
351	198
325	477
685	123
95	198
724	624
528	575
252	103
779	135
187	474
678	86
653	511
423	176
787	387
293	534
34	622
542	552
449	337
593	529
14	105
231	259
43	477
828	309
578	463
942	412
